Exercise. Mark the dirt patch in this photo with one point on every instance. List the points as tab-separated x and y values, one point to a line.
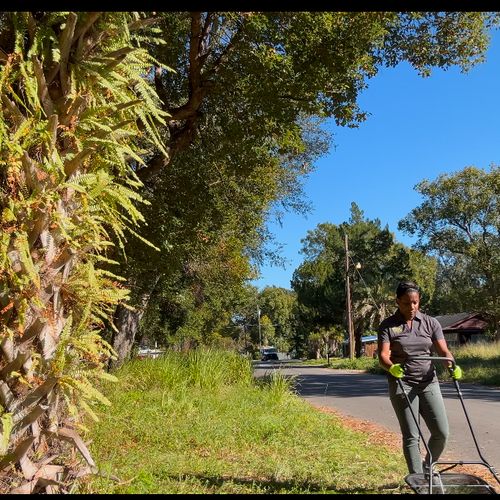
378	435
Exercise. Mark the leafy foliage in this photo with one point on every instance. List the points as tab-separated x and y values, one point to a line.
459	222
320	281
247	101
74	107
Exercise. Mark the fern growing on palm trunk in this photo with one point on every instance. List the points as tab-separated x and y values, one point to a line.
76	111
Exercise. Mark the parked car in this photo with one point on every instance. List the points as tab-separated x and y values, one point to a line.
269	353
270	356
145	352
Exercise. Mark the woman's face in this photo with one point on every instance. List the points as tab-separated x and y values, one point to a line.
408	304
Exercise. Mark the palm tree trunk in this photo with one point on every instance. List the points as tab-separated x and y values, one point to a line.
60	200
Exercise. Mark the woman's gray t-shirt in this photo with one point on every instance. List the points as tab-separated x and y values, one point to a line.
415	342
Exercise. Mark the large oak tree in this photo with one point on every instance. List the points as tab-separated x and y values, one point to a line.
244	101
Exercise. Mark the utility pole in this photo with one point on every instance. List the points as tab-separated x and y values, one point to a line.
258	321
350	328
245	338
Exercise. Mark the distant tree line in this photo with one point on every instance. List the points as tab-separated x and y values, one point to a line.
455	261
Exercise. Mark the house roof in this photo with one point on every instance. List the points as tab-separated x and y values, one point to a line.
462	321
364	339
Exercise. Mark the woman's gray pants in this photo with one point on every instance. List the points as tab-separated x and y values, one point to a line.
426	399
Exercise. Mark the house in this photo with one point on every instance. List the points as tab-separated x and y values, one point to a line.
462	328
368	346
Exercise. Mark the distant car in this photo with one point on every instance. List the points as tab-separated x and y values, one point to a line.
270	356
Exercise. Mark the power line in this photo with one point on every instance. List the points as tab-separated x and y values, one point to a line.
365	285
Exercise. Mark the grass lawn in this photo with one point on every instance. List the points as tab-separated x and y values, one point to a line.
199	423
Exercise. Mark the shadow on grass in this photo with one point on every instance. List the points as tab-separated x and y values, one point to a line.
273	486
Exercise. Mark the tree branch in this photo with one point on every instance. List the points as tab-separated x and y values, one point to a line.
81	31
155	164
66	40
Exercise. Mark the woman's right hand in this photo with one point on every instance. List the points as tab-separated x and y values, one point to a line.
396	370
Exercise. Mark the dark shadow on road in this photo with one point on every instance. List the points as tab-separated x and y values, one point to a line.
470	391
361	385
345	385
340	384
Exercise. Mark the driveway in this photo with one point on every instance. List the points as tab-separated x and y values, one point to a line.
364	396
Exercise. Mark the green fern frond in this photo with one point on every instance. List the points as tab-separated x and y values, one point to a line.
89	411
24	129
7	426
89	392
94	212
22	245
58	361
107	376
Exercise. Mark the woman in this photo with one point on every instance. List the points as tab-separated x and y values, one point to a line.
406	333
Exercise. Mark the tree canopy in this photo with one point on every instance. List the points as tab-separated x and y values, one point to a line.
376	264
459	222
246	102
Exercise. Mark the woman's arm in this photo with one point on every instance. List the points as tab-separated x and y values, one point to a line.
443	351
384	355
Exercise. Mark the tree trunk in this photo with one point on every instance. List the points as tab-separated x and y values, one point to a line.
127	323
357	340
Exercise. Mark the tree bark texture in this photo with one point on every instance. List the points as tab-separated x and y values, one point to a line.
127	323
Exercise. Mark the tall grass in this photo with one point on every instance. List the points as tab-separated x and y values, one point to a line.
200	423
277	386
480	363
204	368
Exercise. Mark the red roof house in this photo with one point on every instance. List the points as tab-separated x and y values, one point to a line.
461	328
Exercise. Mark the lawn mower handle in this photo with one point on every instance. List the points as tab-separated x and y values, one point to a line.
432	358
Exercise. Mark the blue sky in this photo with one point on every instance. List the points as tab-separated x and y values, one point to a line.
418	128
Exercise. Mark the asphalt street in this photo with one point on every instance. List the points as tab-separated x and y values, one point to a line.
365	396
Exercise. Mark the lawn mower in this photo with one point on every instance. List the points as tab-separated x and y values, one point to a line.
434	481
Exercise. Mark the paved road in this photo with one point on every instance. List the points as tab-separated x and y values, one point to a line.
364	396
